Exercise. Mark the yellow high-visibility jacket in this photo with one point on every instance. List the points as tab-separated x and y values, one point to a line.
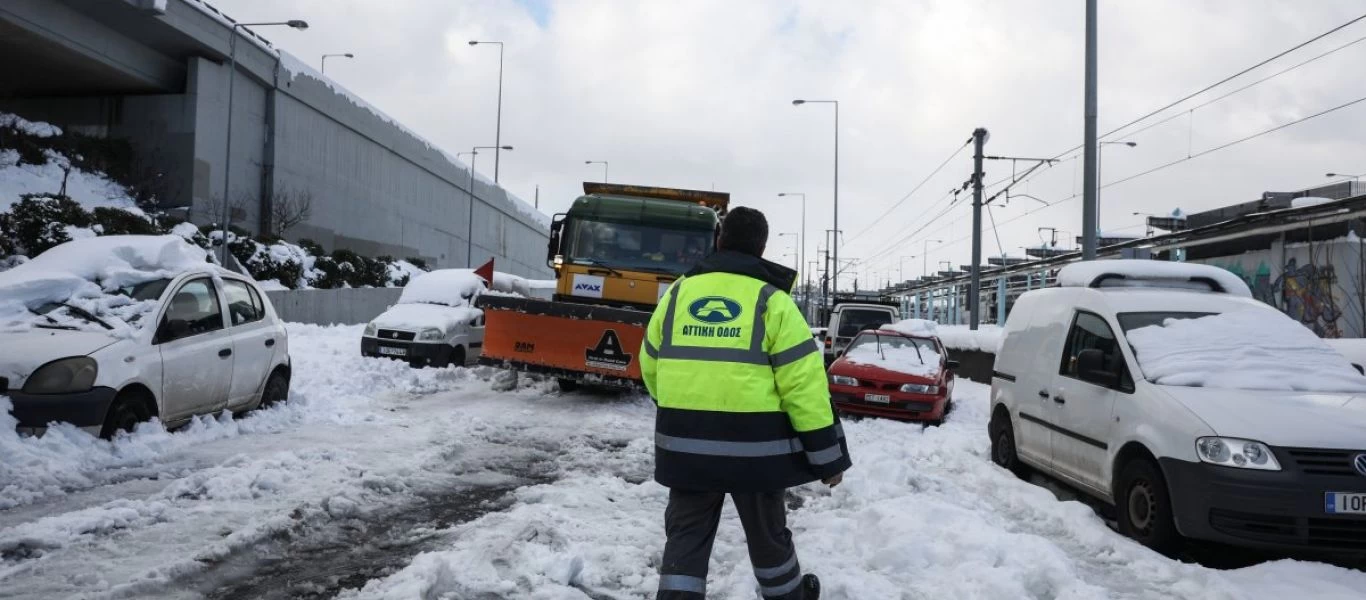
743	400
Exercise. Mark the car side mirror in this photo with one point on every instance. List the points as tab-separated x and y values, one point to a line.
839	353
1091	369
952	365
1359	368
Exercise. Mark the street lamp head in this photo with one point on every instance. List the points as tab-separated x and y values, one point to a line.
297	24
798	102
474	43
349	55
506	147
1131	144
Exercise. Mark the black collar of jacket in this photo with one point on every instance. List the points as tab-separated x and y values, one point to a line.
739	263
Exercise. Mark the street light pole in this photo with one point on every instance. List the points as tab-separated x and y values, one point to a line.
498	131
1089	210
469	232
836	247
1100	156
227	156
327	56
925	257
599	162
806	303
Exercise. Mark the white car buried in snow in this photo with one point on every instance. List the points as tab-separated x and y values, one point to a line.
107	332
1166	390
434	322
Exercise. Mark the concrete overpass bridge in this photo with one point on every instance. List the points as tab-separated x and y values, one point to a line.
155	72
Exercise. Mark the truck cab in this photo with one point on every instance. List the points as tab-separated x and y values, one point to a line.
621	245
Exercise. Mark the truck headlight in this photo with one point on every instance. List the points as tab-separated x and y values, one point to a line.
371	330
917	388
842	380
431	334
1237	453
63	376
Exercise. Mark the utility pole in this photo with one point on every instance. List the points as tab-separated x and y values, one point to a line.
979	139
538	197
1089	218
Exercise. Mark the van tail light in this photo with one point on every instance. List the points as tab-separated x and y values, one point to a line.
827	342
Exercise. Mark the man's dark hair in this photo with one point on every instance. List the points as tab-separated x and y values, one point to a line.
744	230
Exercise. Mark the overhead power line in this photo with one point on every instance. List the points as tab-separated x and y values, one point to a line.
914	190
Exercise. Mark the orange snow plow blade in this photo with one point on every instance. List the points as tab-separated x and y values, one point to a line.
594	345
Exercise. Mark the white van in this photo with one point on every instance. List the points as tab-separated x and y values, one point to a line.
848	319
1166	390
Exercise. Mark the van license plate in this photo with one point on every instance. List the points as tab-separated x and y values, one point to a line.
878	398
1345	503
387	351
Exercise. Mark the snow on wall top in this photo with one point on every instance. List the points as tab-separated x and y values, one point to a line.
85	272
987	338
296	68
1083	273
33	128
1254	349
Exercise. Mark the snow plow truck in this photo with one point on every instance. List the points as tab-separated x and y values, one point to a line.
614	253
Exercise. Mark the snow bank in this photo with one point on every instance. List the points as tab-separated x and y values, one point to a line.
84	272
33	128
916	327
451	287
1253	349
905	359
1081	274
987	338
89	189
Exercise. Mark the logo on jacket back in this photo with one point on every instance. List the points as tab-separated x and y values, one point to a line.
715	309
1360	464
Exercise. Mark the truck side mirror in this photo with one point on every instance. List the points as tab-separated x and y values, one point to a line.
952	365
556	228
1091	368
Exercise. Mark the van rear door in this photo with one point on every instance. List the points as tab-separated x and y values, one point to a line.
848	321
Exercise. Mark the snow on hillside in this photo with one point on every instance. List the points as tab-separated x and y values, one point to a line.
90	189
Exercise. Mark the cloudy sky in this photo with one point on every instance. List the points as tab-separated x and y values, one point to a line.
698	94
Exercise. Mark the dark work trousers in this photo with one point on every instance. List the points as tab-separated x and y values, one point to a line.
690	523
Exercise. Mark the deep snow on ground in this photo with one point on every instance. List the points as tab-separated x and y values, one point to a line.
365	444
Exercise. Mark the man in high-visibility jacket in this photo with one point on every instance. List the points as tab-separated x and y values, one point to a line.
744	409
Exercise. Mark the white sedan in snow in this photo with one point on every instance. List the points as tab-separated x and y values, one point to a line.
173	343
433	324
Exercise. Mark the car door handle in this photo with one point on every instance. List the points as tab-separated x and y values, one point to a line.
1059	400
224	353
270	342
1043	394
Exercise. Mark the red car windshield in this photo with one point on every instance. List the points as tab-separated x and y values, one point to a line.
904	354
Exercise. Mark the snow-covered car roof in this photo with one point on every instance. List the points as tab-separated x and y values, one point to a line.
451	287
88	274
1152	273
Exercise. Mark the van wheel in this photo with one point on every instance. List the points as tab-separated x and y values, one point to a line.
567	386
125	413
457	357
276	390
1144	508
1003	447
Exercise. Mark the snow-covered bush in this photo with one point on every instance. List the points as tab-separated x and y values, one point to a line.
114	221
42	221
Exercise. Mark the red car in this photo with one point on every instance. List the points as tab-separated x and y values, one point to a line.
890	374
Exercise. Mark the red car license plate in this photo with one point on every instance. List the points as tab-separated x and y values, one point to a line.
878	398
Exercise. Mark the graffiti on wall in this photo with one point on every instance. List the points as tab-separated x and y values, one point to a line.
1306	292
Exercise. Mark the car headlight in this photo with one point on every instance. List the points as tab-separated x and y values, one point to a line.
431	334
917	388
1237	453
371	330
64	376
842	380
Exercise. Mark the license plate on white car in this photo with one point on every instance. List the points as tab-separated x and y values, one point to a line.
387	351
1345	503
878	398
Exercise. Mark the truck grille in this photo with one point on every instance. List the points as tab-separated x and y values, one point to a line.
1314	461
390	334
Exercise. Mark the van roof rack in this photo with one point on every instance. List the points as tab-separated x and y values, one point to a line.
1138	273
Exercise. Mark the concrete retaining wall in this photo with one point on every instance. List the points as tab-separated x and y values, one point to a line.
974	365
348	306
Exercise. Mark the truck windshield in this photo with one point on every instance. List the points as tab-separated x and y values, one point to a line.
854	320
1139	320
635	247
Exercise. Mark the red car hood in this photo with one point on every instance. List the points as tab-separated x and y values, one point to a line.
876	373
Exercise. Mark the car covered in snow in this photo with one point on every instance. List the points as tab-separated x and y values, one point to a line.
107	332
897	371
434	323
1166	390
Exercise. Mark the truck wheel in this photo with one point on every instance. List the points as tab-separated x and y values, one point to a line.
125	413
568	386
1144	508
1003	446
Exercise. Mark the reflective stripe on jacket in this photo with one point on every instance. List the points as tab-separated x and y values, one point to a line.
740	383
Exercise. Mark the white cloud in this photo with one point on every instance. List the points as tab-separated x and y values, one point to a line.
696	94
